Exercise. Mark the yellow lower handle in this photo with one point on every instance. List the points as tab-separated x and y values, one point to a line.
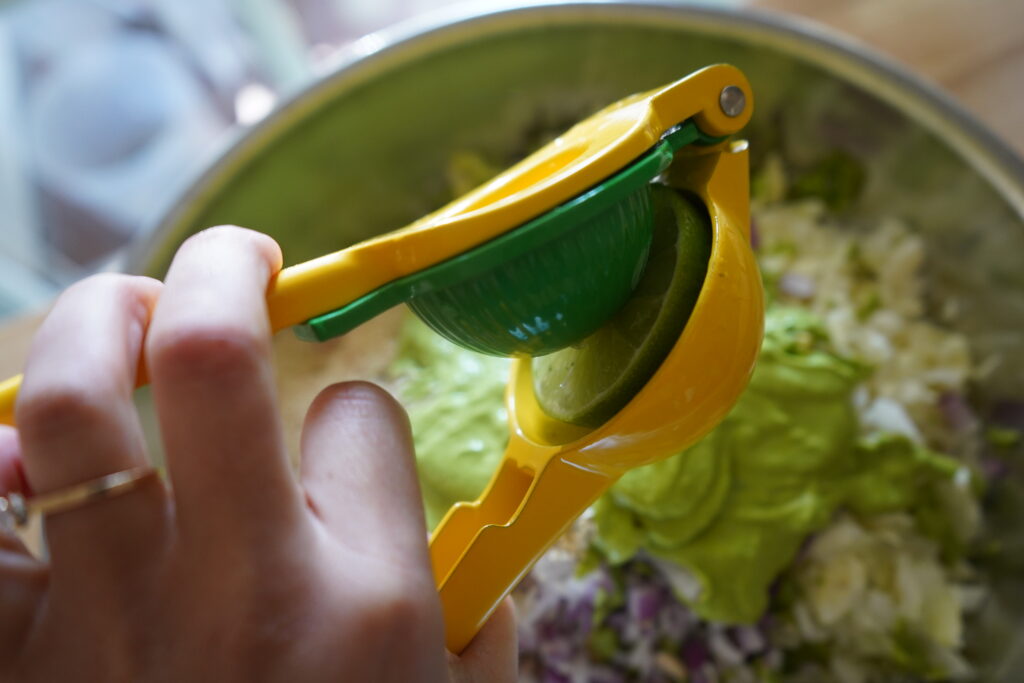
8	393
481	550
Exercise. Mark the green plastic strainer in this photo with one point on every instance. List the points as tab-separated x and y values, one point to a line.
543	286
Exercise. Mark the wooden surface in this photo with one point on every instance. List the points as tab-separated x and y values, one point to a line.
974	49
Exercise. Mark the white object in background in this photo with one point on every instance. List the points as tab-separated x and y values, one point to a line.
21	250
211	37
43	29
22	288
253	102
17	221
117	126
274	30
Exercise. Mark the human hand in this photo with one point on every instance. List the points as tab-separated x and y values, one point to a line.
237	571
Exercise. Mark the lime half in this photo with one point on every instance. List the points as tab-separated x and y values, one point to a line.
586	384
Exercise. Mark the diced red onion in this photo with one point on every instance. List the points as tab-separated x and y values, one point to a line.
580	615
748	639
722	648
527	637
957	412
994	468
559	618
618	622
603	674
550	676
555	650
1009	414
700	676
797	286
641	658
643	603
675	621
695	653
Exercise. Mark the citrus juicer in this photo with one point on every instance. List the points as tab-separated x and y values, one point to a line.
552	470
531	261
481	272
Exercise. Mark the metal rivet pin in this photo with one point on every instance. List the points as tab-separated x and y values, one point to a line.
732	101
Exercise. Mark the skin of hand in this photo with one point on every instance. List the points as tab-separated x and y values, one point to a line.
238	570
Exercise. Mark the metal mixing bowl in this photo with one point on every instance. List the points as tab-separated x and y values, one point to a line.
364	149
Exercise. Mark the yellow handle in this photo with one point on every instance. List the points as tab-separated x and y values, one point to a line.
8	393
309	289
481	550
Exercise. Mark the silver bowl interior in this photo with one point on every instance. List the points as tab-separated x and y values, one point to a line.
364	150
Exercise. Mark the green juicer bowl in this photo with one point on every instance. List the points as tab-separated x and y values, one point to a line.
539	287
551	296
535	289
536	300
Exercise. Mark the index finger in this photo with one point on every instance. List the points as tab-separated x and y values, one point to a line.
214	391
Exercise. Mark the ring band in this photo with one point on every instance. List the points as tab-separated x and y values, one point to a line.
15	509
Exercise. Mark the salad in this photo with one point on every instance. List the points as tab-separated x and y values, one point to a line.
823	532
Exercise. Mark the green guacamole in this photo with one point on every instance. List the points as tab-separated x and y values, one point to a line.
455	401
735	508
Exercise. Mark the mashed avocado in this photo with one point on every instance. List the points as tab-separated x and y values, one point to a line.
455	401
735	508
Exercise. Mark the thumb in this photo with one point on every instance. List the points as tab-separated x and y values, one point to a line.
493	655
359	473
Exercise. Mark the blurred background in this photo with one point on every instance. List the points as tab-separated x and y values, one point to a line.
108	108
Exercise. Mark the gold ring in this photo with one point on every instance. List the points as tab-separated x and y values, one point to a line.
16	509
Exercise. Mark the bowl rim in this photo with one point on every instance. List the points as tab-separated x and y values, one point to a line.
801	38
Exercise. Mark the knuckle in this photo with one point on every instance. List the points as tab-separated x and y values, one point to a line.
108	284
61	407
130	293
210	348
